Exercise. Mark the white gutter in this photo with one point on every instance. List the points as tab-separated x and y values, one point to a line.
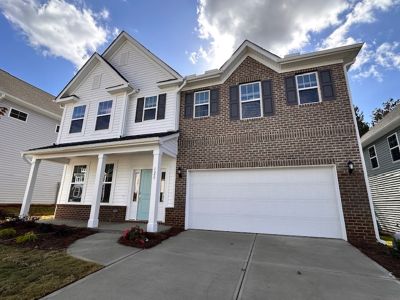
371	205
29	162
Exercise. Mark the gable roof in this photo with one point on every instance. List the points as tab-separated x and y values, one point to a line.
123	37
27	95
389	123
344	54
84	71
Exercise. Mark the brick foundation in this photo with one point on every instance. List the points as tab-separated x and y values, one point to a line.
82	212
316	134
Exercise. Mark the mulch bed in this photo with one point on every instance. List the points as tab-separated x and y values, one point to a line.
153	238
383	255
49	236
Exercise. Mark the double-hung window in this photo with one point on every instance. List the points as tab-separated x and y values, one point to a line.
107	182
77	183
307	88
162	187
78	115
201	104
373	157
19	115
150	108
250	100
103	115
394	147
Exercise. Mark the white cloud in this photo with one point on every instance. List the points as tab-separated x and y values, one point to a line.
57	27
371	71
279	26
388	55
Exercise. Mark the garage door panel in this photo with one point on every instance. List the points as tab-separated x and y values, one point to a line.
298	201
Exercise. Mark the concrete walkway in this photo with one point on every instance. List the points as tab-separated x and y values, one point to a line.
221	265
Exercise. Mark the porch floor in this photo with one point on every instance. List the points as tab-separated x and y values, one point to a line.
103	226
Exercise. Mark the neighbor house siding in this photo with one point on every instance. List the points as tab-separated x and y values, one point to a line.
315	134
386	163
18	136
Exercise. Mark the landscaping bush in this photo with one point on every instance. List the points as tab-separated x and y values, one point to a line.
139	238
7	233
63	231
27	237
135	234
4	215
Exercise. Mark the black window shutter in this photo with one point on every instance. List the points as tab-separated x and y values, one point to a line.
162	100
139	110
189	105
326	84
291	90
234	102
268	104
214	102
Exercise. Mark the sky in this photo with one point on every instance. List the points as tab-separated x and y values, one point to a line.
46	42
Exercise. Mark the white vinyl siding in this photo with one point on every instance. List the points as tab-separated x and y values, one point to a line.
17	136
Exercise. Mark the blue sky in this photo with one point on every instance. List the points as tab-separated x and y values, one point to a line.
47	41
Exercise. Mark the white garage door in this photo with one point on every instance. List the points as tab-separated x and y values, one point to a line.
287	201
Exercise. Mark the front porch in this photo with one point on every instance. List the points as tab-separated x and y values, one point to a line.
114	181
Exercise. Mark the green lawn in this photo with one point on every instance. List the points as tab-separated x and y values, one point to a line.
36	210
31	273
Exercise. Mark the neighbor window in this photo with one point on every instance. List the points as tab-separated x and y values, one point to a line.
103	115
150	108
394	147
107	181
162	187
307	88
201	104
17	114
57	128
78	115
250	100
373	157
77	183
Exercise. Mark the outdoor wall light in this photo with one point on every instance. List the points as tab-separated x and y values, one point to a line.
350	166
180	172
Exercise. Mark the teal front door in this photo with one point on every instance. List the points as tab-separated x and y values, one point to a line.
144	195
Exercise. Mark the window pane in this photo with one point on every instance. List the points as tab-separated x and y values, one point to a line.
75	193
104	107
150	102
79	112
102	122
309	96
374	162
162	187
392	141
149	114
105	193
76	126
371	152
201	97
251	109
109	170
395	153
79	174
18	114
306	80
250	91
201	111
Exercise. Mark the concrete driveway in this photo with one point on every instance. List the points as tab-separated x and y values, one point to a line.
222	265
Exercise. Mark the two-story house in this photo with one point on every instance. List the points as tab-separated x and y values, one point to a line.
266	144
381	146
32	119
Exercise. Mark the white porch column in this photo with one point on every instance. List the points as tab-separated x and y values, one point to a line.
152	225
98	185
26	202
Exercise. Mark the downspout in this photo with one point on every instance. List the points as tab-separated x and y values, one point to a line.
177	108
371	205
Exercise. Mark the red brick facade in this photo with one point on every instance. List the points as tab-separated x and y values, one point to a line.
82	212
314	134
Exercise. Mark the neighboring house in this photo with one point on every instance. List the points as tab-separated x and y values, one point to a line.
32	120
266	144
381	146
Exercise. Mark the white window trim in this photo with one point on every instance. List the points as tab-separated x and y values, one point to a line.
252	100
376	156
398	146
148	108
111	200
308	88
83	123
12	108
83	183
59	128
102	115
208	103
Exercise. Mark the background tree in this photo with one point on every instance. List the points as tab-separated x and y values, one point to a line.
362	125
380	112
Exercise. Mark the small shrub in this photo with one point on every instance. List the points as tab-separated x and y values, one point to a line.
27	237
7	233
136	234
